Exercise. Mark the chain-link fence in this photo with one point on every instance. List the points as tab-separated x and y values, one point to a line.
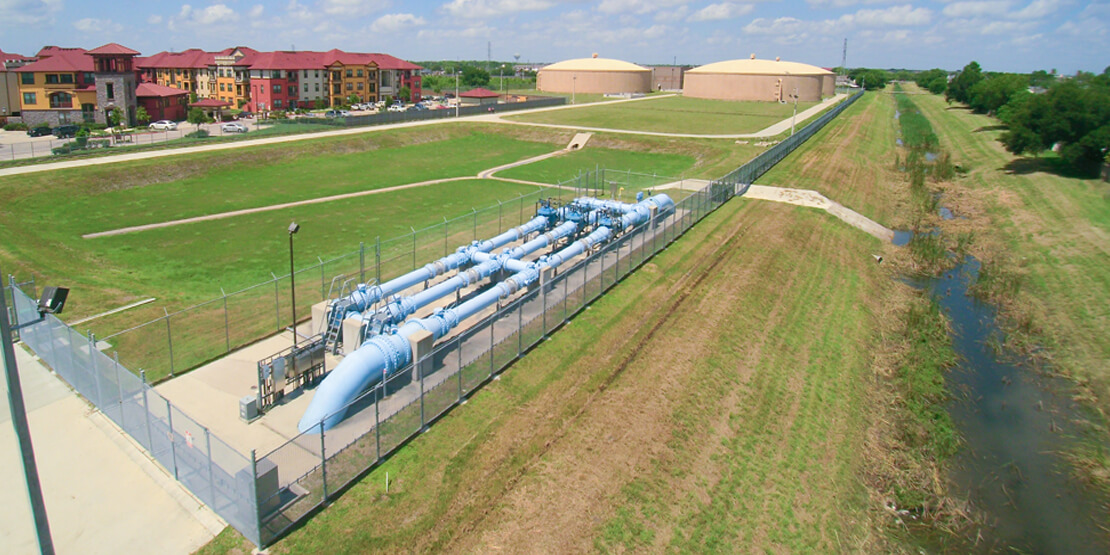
211	469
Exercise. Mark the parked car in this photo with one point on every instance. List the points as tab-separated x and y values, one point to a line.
397	108
40	131
336	114
164	125
417	108
245	114
63	131
233	127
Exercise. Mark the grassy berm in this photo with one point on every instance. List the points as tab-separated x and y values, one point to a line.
719	398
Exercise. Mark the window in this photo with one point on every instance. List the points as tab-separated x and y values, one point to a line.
349	86
335	75
51	79
67	78
349	73
277	89
360	73
90	78
61	100
27	78
306	74
336	89
317	86
275	74
109	91
360	86
277	103
372	87
306	87
221	87
29	98
317	73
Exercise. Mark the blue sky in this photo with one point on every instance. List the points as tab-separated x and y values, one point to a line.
1002	35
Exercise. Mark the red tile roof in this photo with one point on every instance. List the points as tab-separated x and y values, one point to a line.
154	89
479	93
11	56
385	61
113	48
193	58
211	103
53	58
283	59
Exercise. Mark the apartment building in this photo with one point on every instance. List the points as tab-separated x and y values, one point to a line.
9	83
58	88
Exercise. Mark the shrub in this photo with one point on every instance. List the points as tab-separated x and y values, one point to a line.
198	134
15	127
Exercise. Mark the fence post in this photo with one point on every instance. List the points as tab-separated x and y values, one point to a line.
491	334
499	206
377	417
227	323
475	223
458	349
378	259
146	408
413	248
445	236
211	479
173	440
277	303
361	262
95	372
119	389
519	328
323	291
418	371
323	462
254	496
169	338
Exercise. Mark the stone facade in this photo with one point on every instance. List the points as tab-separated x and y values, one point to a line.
52	117
122	86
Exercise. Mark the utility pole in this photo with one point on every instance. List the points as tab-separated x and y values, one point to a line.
844	59
489	55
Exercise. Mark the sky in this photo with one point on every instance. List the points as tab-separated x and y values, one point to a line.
1002	35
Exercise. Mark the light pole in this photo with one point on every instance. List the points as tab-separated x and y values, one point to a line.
573	86
795	117
293	229
456	92
19	420
501	79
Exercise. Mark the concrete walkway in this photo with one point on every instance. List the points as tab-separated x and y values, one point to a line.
771	131
102	494
813	199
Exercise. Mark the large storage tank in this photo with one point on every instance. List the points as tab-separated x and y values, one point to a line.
754	79
594	75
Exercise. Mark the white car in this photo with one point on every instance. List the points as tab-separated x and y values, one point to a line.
233	127
397	108
164	125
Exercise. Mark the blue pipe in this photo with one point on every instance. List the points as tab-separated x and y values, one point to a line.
386	354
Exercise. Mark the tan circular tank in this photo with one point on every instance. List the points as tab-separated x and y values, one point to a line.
594	75
763	80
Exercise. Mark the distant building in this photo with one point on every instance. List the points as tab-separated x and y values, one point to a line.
57	88
594	75
162	102
478	97
116	78
764	80
9	83
668	78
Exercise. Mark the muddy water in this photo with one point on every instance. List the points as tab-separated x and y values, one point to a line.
1014	423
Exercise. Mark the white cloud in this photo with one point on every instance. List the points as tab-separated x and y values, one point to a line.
93	25
724	10
1038	9
636	6
481	9
677	14
893	16
391	23
154	19
352	8
977	8
844	3
256	11
15	13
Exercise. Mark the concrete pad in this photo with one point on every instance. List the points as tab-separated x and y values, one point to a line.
102	494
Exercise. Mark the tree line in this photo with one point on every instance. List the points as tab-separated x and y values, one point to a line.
1041	112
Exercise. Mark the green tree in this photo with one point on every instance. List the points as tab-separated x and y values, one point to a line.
1041	78
141	115
870	79
115	117
197	116
321	104
473	76
959	88
405	94
994	92
1074	115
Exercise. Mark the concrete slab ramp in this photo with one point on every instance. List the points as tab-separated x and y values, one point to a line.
579	141
813	199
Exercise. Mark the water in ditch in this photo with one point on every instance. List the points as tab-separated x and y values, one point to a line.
1015	423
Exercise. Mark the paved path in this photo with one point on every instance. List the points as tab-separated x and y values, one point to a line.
102	494
813	199
773	130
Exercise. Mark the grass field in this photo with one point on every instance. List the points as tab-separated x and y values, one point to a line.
693	408
559	168
673	114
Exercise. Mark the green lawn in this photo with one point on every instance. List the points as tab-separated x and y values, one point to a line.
673	114
561	168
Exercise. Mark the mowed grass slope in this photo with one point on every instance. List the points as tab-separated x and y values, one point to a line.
1044	238
713	401
673	114
561	168
852	161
